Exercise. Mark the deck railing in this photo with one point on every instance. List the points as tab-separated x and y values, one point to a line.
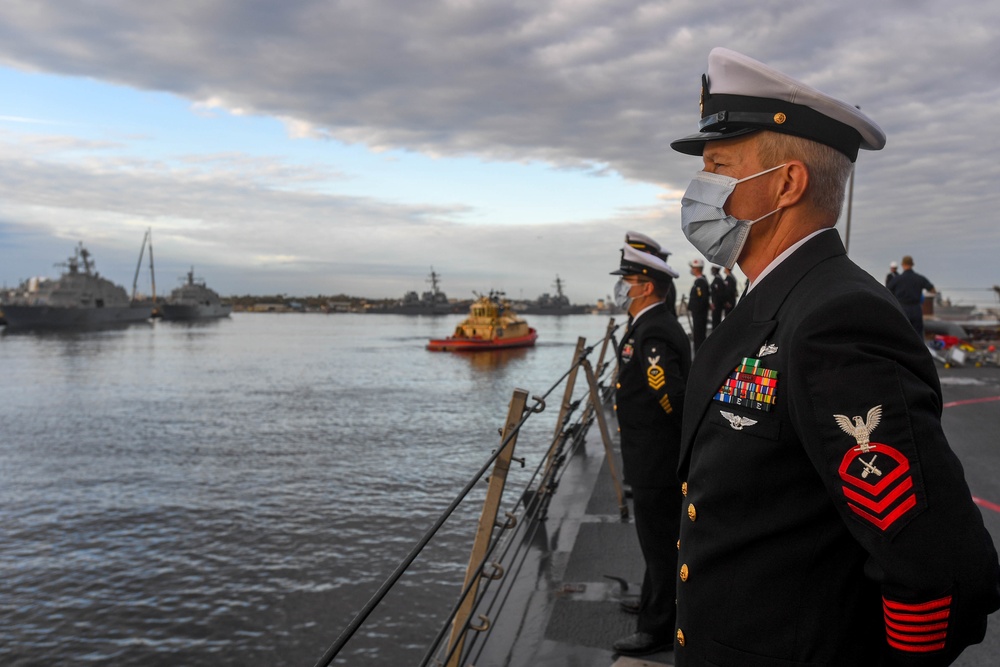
500	547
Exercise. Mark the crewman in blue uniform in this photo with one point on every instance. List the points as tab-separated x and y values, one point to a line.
908	288
653	362
826	520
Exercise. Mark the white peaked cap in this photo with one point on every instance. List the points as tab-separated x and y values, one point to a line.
741	95
639	262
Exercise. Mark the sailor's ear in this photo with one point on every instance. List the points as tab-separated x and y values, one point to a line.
794	181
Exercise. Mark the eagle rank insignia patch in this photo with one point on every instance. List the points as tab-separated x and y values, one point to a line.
654	373
878	479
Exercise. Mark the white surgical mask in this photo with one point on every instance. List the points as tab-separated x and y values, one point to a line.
622	299
716	234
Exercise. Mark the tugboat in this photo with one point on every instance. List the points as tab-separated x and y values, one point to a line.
491	325
194	301
80	299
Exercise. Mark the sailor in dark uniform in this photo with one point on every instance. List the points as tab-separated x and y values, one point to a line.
644	243
826	520
893	273
653	361
908	288
732	292
719	291
698	303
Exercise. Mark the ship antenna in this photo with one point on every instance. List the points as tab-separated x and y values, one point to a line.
142	248
433	280
152	274
85	255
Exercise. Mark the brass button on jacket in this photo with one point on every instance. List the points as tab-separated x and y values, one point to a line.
684	572
680	636
692	512
684	488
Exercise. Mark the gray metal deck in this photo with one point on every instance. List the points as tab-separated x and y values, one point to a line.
563	610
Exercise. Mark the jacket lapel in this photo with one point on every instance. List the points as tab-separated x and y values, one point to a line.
717	357
744	330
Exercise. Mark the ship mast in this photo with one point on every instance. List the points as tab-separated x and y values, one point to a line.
147	238
433	280
558	285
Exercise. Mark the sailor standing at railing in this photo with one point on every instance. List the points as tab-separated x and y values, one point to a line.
653	362
826	519
640	241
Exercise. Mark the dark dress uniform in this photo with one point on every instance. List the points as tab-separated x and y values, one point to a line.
671	299
732	294
826	520
698	307
654	359
908	288
720	292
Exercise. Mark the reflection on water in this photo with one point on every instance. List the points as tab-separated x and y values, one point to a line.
232	492
491	360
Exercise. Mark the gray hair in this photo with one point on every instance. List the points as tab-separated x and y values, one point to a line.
829	169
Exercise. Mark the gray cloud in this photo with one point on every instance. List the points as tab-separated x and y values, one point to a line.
582	85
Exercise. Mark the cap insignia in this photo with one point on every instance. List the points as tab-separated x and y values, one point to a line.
780	118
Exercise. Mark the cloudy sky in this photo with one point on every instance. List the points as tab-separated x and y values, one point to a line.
347	146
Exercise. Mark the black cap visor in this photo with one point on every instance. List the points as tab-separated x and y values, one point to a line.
695	144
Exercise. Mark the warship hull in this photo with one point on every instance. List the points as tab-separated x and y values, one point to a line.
188	312
66	318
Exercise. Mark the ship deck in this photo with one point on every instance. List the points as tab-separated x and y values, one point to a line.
564	609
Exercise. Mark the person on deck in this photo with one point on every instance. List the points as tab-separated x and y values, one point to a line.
826	519
653	362
640	241
719	292
732	292
893	273
698	303
908	288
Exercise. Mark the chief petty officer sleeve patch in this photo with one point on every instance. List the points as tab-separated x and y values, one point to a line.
877	478
654	373
656	378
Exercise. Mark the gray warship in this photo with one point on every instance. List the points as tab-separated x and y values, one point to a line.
431	302
194	301
79	299
557	304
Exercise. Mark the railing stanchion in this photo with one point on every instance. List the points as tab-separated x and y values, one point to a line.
567	401
487	522
604	346
595	403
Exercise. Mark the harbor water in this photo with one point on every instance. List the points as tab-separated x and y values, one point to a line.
233	492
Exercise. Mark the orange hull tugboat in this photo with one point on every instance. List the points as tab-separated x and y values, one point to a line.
491	325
